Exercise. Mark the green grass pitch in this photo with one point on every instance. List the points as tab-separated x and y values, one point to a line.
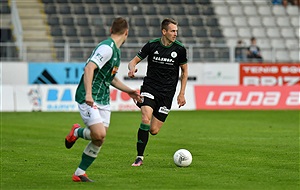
231	150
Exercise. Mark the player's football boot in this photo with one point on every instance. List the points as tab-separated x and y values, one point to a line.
71	138
138	162
81	178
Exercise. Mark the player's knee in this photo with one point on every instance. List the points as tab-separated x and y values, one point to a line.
154	131
99	137
145	120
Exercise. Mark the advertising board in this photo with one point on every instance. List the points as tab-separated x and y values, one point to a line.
269	74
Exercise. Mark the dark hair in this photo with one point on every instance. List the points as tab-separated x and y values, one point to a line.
165	23
119	26
253	38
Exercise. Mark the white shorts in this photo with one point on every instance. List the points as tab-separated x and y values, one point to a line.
97	114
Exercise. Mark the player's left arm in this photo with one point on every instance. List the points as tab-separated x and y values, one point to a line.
183	79
134	94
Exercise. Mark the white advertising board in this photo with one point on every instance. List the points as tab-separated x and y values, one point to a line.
14	73
7	102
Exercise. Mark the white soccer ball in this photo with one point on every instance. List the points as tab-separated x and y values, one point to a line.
182	158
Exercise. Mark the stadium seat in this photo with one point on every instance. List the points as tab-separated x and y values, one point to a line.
162	10
68	21
178	10
207	10
71	31
291	44
62	1
259	32
108	10
264	43
155	21
269	21
211	21
78	10
226	21
93	10
295	55
240	21
56	31
246	3
278	43
292	10
282	56
198	22
273	32
261	2
278	10
50	9
82	21
267	55
53	20
201	32
283	21
85	31
264	10
216	32
244	32
193	10
236	10
185	32
250	10
230	32
76	1
150	10
288	32
64	9
222	10
184	21
97	21
295	21
254	21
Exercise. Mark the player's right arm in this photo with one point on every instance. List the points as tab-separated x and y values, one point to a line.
88	78
131	66
97	60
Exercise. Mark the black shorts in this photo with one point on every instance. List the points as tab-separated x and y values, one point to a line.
161	105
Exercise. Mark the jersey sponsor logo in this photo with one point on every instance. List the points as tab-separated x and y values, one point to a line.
163	60
148	95
99	57
163	110
156	52
173	54
114	70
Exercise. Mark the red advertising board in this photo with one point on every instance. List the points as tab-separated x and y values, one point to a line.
269	74
247	97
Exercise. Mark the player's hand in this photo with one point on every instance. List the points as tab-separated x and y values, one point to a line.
181	100
135	95
132	72
89	100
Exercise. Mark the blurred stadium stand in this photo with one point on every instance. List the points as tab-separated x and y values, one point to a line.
68	30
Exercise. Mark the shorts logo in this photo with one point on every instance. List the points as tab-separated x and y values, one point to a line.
163	110
148	95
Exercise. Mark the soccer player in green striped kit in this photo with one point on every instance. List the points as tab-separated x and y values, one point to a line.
93	96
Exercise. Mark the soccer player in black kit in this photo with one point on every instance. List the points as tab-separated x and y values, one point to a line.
165	56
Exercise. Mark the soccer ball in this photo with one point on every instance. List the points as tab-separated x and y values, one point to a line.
182	158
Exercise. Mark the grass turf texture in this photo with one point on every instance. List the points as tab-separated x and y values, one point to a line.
231	150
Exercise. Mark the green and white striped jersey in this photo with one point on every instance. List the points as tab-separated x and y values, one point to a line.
107	58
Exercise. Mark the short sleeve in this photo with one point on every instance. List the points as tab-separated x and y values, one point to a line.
102	55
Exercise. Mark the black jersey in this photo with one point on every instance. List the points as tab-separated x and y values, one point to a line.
163	65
